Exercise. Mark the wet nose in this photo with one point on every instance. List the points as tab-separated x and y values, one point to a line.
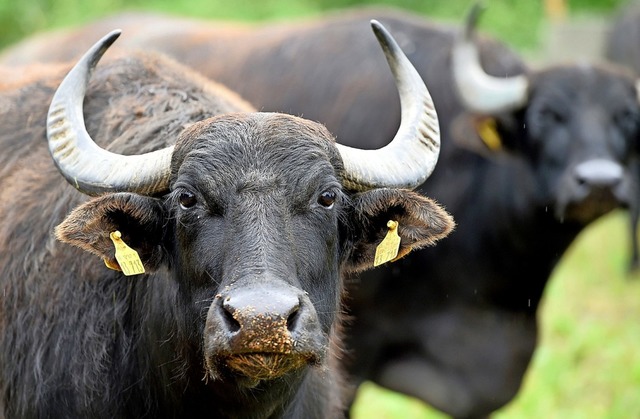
249	309
264	320
599	173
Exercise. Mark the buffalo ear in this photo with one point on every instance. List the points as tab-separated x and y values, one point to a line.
485	135
138	218
421	222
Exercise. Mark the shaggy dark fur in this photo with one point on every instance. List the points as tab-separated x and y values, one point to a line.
80	340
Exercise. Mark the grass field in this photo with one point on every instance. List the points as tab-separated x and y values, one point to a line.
588	362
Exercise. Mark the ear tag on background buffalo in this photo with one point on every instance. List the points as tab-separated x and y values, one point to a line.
488	132
387	250
127	258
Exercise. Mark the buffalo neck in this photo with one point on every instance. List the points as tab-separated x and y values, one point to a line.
507	240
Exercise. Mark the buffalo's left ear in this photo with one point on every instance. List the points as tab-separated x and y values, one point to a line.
421	222
138	218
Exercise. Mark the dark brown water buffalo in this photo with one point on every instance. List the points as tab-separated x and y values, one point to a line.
529	158
242	221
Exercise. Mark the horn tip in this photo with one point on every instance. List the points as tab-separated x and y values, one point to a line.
473	17
385	39
379	29
96	52
110	38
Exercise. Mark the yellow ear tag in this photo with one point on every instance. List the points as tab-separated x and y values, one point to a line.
388	248
127	258
489	133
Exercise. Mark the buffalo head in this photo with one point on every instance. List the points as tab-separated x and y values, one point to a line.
254	216
575	125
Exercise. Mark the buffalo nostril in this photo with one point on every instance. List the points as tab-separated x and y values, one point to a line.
232	324
292	320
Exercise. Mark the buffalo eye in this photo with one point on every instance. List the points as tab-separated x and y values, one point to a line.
187	200
327	199
627	120
552	116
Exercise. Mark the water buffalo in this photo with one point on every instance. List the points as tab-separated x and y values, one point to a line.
243	223
530	158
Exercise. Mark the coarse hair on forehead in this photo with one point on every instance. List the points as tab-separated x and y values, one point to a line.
262	139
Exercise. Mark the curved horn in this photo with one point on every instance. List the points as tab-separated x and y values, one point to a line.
408	160
91	169
479	91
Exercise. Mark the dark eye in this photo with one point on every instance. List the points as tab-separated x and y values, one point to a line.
187	200
552	116
327	198
626	120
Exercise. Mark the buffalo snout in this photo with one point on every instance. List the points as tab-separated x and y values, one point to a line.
262	333
595	187
599	173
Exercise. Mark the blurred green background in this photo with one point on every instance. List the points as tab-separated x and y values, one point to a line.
588	361
515	21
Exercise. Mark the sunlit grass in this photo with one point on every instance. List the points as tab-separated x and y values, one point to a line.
587	364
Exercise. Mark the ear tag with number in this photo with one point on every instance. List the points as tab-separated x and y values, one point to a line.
387	250
128	259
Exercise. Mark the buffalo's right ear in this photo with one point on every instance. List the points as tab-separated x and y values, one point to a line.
139	219
421	222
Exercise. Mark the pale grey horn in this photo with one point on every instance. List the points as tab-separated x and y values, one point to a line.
410	157
479	91
89	168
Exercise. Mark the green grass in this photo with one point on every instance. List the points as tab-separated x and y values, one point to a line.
516	22
588	361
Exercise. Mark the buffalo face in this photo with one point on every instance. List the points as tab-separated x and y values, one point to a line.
253	216
582	124
573	129
255	231
264	235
